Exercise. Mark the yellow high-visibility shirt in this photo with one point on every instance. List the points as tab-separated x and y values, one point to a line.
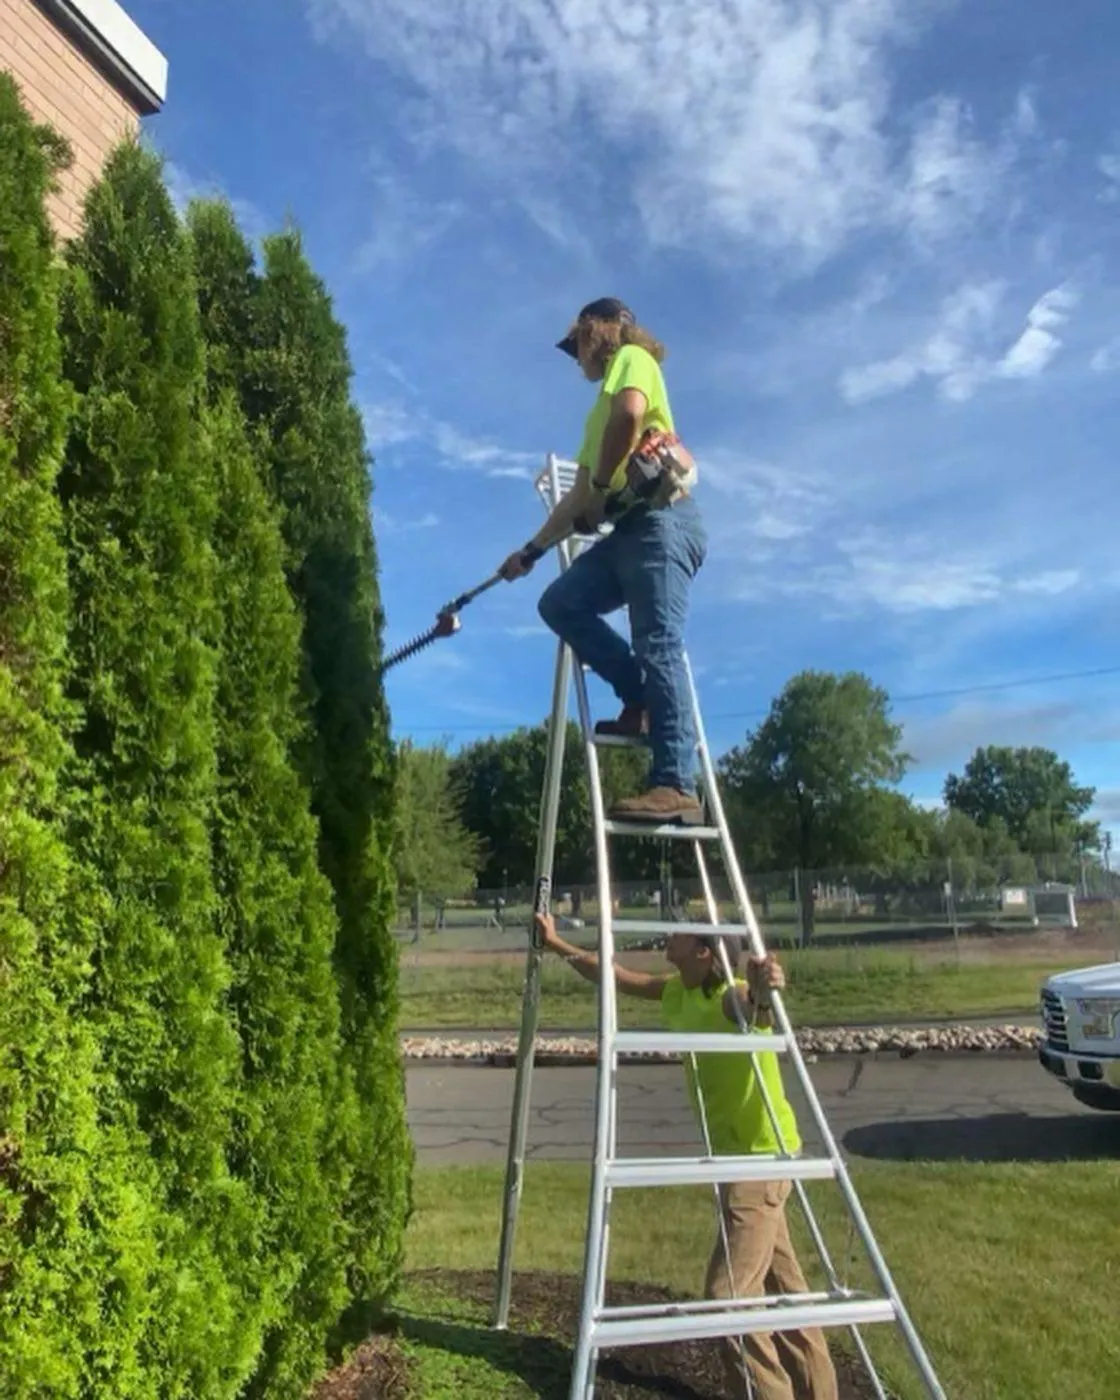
738	1123
631	367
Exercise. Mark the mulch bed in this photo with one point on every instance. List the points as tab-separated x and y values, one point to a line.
544	1319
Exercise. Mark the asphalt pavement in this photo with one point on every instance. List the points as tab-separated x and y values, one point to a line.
934	1107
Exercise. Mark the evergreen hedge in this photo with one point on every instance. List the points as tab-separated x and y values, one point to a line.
204	1164
48	1101
273	337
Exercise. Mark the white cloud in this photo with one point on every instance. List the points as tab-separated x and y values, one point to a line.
1108	164
1050	583
950	738
767	120
391	525
947	355
390	423
184	186
770	503
1106	806
1039	343
957	355
403	222
1107	358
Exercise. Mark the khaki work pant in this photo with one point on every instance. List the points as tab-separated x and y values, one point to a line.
782	1365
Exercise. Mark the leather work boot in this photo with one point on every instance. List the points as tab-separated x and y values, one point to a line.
660	804
632	723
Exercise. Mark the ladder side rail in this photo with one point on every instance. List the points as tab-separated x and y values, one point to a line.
530	1004
878	1262
597	1240
725	1238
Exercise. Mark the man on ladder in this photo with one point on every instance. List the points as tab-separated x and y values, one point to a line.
753	1253
646	564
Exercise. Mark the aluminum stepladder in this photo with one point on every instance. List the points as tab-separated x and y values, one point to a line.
603	1327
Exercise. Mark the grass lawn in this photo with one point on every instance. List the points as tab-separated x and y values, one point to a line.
1011	1272
828	986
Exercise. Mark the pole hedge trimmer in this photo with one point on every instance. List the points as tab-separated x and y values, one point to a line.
447	624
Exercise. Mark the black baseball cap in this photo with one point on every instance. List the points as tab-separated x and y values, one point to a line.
605	309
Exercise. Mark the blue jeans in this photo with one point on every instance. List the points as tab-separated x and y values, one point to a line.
645	565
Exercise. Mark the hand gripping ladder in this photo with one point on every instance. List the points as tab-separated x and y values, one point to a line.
601	1326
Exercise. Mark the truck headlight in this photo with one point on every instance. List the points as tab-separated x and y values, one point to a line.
1098	1017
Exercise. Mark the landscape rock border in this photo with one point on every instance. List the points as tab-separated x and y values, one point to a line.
501	1052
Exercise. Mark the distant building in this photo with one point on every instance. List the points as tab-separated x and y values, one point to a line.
86	69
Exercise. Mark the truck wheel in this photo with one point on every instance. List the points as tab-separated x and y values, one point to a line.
1097	1096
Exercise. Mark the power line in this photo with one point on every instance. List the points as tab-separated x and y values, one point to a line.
917	698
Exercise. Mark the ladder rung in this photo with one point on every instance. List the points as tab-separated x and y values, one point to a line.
732	1321
664	830
704	1171
618	741
698	1308
729	1042
667	926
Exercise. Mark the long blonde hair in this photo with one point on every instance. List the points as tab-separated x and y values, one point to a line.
605	338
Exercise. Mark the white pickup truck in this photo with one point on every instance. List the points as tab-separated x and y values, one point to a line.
1081	1020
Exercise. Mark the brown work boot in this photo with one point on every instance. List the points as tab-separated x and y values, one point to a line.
632	723
660	804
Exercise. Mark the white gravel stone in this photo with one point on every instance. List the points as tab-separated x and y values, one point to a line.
862	1040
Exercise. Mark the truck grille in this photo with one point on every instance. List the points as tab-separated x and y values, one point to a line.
1054	1019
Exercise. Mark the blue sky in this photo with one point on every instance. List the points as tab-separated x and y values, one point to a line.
880	238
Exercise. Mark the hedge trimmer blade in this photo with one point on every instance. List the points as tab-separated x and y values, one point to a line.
447	624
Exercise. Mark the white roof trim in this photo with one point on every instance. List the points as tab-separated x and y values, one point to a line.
121	43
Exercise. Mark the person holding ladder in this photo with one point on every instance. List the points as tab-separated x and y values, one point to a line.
759	1257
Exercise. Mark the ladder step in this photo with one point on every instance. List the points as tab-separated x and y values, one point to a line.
667	926
663	830
698	1308
729	1042
705	1171
735	1321
618	741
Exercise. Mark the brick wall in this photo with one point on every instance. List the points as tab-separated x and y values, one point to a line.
62	88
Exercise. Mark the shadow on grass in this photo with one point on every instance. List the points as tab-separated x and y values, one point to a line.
996	1137
540	1362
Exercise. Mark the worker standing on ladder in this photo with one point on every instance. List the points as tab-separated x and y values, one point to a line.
646	564
756	1257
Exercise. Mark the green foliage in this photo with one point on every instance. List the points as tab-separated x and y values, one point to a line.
203	1161
273	339
811	776
140	503
433	849
501	782
48	1093
277	917
1032	792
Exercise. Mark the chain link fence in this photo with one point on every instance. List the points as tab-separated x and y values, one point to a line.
927	900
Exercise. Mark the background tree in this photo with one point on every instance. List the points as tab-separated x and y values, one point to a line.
501	781
807	787
434	850
1032	792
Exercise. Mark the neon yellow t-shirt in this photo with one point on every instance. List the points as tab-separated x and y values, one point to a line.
738	1123
631	367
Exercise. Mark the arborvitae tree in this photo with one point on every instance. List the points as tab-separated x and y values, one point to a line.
279	927
48	1113
140	500
277	909
294	384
